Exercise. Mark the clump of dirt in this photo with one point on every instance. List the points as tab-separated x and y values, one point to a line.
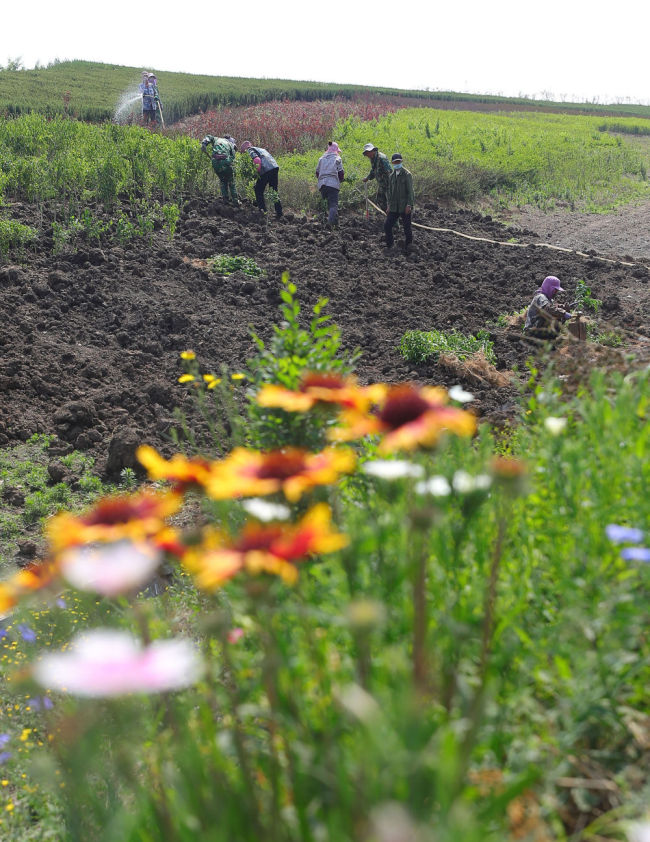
476	370
91	339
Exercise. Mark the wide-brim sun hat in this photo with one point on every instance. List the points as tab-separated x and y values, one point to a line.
245	145
368	147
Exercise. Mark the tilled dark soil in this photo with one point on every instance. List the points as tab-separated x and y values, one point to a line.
91	339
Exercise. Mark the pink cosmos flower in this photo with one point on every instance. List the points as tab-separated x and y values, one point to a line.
235	635
110	662
110	569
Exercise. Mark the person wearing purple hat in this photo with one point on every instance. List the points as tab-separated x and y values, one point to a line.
542	319
329	173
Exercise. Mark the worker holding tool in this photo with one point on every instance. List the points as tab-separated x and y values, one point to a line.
157	104
400	202
380	170
222	155
268	170
148	91
543	321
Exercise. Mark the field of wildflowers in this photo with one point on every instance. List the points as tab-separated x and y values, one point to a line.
414	631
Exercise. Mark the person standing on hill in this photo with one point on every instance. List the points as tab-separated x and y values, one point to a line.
157	105
400	202
148	91
329	173
380	170
268	170
222	155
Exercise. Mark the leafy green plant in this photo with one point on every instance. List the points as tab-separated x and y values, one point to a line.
171	213
226	264
94	228
292	351
585	300
40	504
65	235
15	235
125	230
128	479
418	346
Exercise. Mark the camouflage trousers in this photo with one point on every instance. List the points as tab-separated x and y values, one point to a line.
227	183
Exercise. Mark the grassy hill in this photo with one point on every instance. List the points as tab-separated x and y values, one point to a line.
91	91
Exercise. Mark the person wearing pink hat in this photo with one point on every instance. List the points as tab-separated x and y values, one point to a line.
542	319
329	173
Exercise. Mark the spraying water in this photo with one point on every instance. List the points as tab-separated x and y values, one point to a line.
129	106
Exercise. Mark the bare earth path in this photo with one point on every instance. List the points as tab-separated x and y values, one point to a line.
624	233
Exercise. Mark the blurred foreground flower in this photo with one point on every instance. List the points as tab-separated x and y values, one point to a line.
555	426
636	554
638	832
320	387
248	473
133	517
390	469
464	483
623	534
408	417
265	511
182	472
109	662
33	578
457	393
110	569
271	548
436	486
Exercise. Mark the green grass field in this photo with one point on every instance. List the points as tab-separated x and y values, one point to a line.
94	90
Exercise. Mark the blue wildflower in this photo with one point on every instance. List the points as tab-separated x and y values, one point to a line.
4	756
636	554
623	534
26	633
4	739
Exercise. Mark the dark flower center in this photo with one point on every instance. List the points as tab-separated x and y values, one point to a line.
281	465
403	405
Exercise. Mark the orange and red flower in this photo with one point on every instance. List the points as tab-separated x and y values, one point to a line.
136	517
182	472
29	580
249	473
407	417
263	548
320	387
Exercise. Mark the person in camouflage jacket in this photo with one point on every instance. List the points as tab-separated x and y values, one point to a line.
401	199
380	170
222	153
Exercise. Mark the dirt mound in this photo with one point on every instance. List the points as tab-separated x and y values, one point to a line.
91	339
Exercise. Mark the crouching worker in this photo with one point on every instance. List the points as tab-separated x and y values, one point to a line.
268	170
222	155
543	321
400	202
